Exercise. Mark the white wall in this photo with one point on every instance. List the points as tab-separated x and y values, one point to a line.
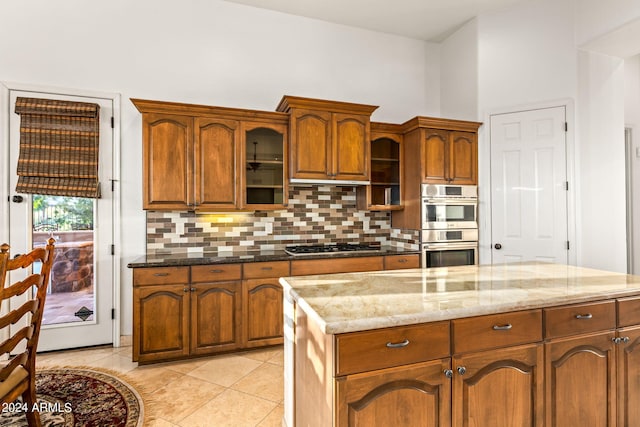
632	120
596	18
209	52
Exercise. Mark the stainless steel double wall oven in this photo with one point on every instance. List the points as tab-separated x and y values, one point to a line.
449	225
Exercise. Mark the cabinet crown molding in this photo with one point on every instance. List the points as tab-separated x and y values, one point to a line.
288	102
440	123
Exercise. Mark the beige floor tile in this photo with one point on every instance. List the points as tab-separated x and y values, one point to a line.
225	370
116	363
266	382
274	419
159	422
151	378
182	397
231	408
278	358
185	366
262	354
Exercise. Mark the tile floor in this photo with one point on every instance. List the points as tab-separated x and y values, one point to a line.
240	389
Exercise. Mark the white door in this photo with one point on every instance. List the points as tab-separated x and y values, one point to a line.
80	296
529	186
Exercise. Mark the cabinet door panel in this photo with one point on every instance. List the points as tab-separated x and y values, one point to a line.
436	156
216	163
581	381
215	317
463	158
352	147
263	312
410	396
311	144
161	316
167	160
501	388
629	378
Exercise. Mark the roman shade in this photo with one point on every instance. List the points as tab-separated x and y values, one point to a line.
58	147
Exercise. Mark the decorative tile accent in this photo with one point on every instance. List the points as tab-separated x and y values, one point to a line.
315	215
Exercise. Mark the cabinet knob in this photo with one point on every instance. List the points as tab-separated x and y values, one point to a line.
448	373
616	340
462	370
193	289
625	339
185	290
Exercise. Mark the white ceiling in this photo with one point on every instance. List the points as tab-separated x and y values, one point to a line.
431	20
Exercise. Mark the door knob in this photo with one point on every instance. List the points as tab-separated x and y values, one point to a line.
498	246
17	199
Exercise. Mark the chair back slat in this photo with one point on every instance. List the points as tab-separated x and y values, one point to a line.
14	316
12	365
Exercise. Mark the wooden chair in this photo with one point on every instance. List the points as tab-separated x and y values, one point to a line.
17	374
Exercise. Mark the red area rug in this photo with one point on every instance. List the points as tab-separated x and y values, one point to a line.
80	397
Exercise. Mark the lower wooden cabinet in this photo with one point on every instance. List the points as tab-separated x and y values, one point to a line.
262	312
628	360
410	396
499	388
215	317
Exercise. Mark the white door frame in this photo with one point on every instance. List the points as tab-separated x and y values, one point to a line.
5	111
484	176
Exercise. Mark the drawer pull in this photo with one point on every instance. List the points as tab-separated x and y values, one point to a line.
398	344
403	260
160	274
584	316
502	327
216	271
267	268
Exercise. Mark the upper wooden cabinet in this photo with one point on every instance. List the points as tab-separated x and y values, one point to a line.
194	156
329	139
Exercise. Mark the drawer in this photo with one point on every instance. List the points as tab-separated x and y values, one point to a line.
160	275
629	311
496	330
335	265
384	348
261	270
579	318
395	262
215	273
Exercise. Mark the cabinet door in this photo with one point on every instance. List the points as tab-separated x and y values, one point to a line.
160	322
581	381
311	141
410	396
215	317
436	156
351	155
499	388
167	142
463	158
217	178
262	313
629	378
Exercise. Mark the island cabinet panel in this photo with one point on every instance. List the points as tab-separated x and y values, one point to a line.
417	395
629	377
501	388
383	348
496	330
581	381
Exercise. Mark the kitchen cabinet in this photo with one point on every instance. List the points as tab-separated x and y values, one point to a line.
628	361
434	151
329	140
262	302
384	193
194	157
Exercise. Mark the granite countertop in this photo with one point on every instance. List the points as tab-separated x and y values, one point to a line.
182	259
359	301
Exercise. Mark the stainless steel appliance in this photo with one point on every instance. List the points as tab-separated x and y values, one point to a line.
449	207
449	225
336	248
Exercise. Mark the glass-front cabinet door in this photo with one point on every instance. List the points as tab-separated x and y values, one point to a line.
265	183
384	192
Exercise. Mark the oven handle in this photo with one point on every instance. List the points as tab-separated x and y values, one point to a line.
449	246
444	202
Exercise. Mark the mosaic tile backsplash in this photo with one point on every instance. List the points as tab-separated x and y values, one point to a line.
315	215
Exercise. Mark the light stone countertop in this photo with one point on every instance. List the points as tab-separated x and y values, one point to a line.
351	302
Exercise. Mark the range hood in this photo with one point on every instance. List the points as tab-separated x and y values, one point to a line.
311	182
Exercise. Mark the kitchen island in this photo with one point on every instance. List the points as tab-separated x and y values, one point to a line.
527	344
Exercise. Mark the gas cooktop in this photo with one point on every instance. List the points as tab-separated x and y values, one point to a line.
337	248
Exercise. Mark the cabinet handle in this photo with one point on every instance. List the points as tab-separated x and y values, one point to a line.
462	370
160	274
402	260
502	327
584	316
398	344
216	271
267	268
448	373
